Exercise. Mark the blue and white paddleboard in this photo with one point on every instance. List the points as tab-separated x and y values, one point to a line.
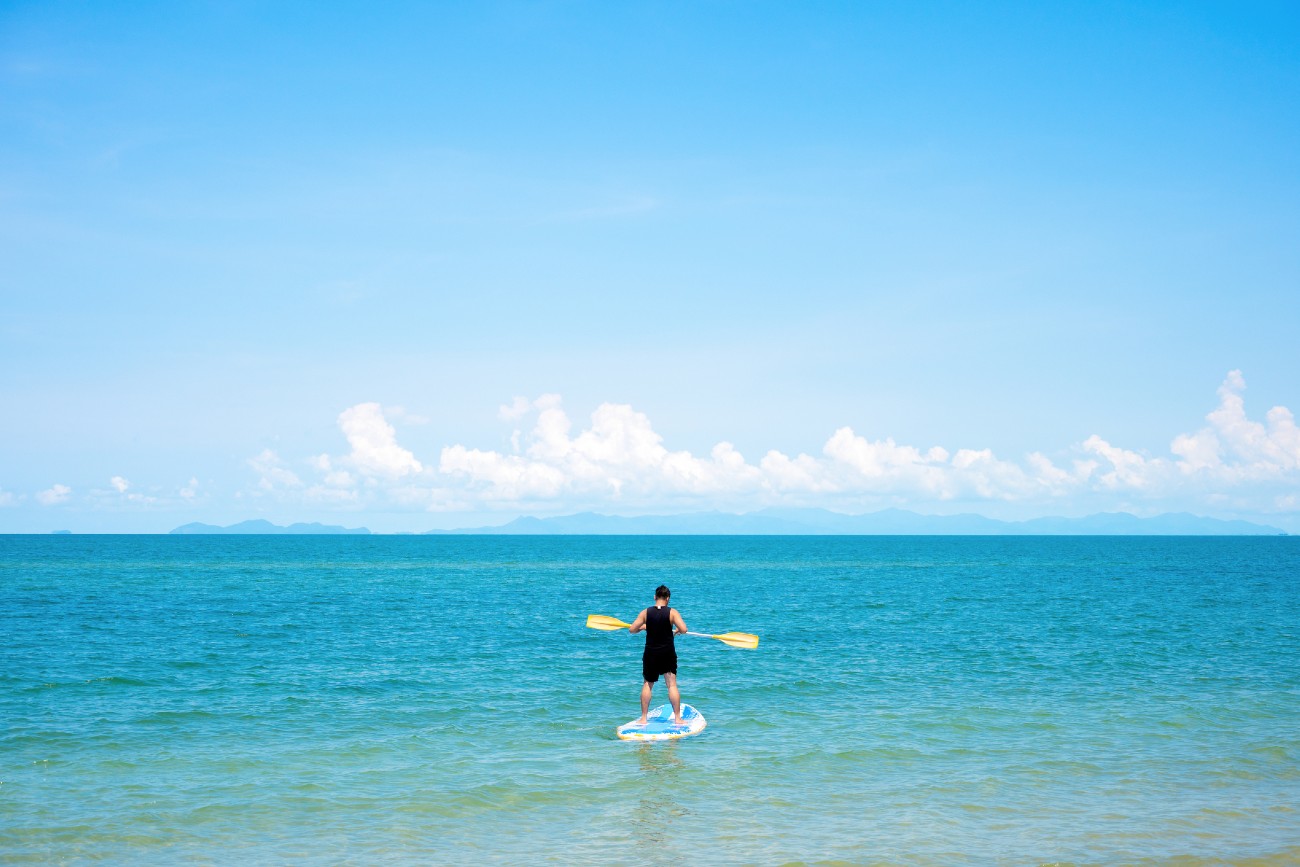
659	725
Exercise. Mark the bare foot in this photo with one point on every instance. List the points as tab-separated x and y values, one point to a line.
678	722
640	722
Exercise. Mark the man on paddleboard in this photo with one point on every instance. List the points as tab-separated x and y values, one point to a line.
660	656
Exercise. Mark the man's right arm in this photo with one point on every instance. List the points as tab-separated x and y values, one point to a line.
639	623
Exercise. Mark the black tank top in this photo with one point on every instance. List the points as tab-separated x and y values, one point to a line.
658	628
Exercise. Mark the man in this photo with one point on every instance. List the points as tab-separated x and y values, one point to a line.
660	656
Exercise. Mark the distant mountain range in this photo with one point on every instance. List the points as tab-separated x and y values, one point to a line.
820	522
266	528
799	522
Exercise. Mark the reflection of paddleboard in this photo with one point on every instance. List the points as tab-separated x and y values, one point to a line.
659	725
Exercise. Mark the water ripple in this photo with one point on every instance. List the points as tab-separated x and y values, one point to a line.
437	700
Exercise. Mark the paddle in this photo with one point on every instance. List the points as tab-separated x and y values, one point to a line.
605	622
732	639
744	640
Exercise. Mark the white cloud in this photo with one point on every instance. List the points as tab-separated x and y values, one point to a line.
54	496
375	465
618	460
1128	469
120	493
1232	448
618	457
375	451
8	498
856	463
272	474
515	410
801	473
191	489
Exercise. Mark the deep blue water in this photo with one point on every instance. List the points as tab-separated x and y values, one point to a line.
954	700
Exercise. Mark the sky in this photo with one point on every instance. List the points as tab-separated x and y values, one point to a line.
417	266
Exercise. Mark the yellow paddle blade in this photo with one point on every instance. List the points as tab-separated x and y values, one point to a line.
605	622
738	639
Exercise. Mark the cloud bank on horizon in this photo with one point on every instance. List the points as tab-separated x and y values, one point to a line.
618	462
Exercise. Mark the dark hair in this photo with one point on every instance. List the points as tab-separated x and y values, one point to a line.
662	592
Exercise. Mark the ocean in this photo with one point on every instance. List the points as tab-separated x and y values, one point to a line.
417	700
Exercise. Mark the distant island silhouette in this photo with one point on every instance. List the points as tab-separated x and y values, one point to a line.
800	522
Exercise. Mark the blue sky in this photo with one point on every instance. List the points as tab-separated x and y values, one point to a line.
364	266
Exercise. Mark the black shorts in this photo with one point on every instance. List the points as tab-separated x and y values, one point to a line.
657	662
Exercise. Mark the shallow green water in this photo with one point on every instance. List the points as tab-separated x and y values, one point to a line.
418	700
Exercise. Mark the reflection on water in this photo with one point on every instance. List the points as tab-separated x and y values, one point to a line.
660	758
659	805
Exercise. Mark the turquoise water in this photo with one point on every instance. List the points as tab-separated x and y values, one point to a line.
438	699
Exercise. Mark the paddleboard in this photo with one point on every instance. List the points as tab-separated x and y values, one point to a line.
659	725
